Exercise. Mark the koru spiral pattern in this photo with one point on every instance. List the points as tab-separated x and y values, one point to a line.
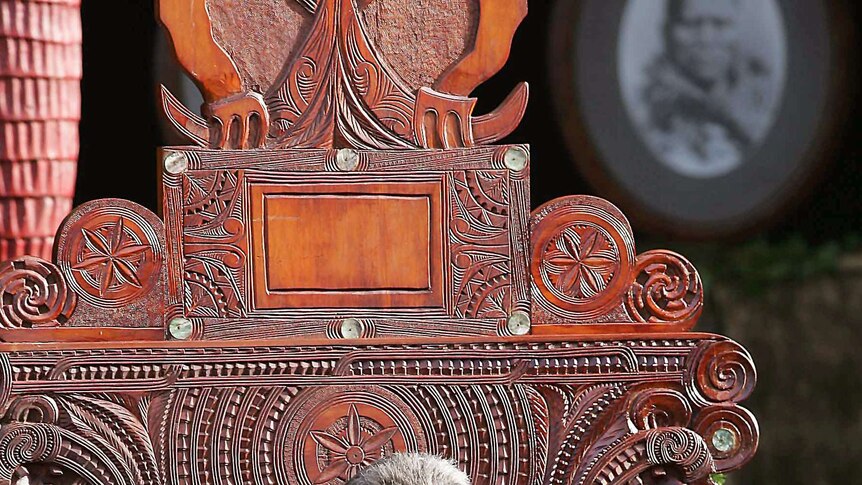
33	293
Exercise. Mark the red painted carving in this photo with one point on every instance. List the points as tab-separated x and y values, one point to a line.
40	73
303	312
33	294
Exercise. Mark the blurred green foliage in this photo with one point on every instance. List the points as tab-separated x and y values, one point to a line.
756	265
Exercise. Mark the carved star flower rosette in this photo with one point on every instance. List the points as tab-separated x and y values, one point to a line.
337	432
110	255
350	443
580	263
582	259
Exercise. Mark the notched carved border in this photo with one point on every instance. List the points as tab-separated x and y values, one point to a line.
514	412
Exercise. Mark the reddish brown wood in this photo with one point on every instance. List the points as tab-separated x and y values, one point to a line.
547	407
584	270
301	312
364	245
339	89
40	73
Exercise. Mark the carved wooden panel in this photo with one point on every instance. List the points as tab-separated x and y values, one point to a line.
372	282
398	242
509	411
337	87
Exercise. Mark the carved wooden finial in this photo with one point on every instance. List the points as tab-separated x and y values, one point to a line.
376	74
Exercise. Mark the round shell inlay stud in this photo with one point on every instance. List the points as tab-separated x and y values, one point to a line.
516	159
180	328
176	163
519	323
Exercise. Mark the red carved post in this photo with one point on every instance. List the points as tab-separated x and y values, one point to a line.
40	106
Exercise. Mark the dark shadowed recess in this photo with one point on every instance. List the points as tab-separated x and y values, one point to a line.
119	131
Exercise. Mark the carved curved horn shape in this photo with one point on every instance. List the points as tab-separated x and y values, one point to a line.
498	23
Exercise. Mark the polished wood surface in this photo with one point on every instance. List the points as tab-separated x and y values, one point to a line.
339	89
346	293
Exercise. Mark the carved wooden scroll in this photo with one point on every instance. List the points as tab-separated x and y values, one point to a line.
585	270
367	280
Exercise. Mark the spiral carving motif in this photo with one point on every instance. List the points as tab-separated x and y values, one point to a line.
667	289
681	448
658	407
741	435
34	294
26	443
723	372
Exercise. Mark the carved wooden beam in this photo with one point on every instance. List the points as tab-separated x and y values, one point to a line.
518	410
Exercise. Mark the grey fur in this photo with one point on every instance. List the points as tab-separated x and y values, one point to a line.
411	469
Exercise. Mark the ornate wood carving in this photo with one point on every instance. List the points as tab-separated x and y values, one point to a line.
446	256
585	270
34	294
547	411
302	311
338	90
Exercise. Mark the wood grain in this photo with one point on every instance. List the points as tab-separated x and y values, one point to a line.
302	310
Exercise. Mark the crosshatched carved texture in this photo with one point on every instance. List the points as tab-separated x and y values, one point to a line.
243	27
548	412
422	39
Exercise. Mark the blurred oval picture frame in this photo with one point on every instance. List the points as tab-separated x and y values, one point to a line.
703	118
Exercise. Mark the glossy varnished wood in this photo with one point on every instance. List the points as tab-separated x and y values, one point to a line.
348	292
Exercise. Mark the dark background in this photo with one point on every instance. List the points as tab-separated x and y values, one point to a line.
120	127
791	293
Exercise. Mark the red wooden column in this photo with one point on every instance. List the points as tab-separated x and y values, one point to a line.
40	106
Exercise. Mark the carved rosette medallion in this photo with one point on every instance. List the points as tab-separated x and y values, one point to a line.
110	253
580	263
335	432
582	258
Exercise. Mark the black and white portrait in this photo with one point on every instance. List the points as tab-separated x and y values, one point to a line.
702	80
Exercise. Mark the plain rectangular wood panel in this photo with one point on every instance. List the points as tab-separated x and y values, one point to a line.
347	242
351	245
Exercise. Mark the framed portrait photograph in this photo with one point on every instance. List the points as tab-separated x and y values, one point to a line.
702	118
